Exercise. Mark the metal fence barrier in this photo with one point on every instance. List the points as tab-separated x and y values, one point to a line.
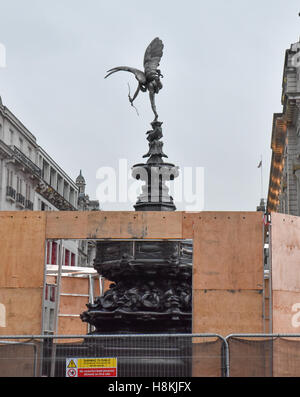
264	355
18	358
165	355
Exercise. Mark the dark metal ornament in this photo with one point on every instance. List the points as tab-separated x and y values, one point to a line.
151	287
149	79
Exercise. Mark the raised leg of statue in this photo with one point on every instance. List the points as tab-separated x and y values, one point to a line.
152	100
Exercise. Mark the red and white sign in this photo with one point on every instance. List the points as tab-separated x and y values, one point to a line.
91	367
88	372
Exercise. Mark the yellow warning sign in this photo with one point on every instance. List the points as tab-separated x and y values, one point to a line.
91	367
71	364
97	362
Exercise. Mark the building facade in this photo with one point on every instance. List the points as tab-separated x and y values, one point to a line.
31	180
86	249
284	183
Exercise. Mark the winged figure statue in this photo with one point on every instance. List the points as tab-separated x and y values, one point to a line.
149	79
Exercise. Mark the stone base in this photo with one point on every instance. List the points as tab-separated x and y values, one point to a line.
123	323
151	289
148	206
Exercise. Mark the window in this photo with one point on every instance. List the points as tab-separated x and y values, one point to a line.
52	177
72	259
59	186
19	185
48	252
54	253
51	319
7	177
67	257
30	152
28	192
45	171
52	293
44	207
11	137
66	191
71	200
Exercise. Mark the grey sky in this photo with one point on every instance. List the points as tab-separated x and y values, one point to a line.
222	67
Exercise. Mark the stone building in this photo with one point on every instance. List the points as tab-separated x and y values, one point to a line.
84	202
284	183
29	178
86	249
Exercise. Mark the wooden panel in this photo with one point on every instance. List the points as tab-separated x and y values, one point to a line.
286	306
285	255
71	326
285	252
225	312
114	224
78	285
23	308
66	224
73	304
285	245
50	279
228	251
188	220
22	247
286	353
227	258
106	285
207	357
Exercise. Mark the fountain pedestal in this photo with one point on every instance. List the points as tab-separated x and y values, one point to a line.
151	290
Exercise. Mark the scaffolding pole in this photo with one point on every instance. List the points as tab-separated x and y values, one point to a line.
56	310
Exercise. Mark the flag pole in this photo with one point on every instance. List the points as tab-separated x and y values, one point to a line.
261	175
260	165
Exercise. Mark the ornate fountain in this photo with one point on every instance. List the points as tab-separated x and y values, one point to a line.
151	289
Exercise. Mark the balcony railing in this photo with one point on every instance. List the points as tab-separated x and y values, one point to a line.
43	188
54	197
20	199
23	159
29	205
10	193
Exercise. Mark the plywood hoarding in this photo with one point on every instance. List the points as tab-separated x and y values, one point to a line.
22	247
228	272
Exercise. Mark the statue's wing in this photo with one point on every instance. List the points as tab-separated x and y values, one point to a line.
140	76
153	56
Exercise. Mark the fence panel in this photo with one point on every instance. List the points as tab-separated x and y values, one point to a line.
18	359
286	357
264	355
250	357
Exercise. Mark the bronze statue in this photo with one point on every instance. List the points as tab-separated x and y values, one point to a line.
150	78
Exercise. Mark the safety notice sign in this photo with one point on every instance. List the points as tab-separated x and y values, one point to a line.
90	367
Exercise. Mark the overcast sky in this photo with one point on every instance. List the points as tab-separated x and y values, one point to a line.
222	67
